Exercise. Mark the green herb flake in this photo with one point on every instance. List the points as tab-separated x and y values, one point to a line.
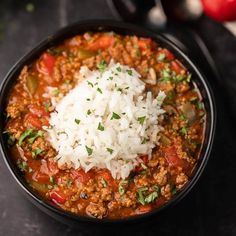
161	57
121	190
115	116
36	152
88	99
184	130
182	117
110	150
130	72
173	189
123	113
119	89
102	66
89	112
127	88
10	139
151	197
89	83
69	183
46	106
100	127
141	120
22	165
34	135
77	121
55	92
110	78
99	90
104	183
52	179
140	195
26	134
118	69
189	77
89	150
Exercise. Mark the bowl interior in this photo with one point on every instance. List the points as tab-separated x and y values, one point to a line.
124	29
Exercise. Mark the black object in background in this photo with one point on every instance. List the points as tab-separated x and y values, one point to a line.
209	209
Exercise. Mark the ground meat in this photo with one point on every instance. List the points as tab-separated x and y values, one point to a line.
96	210
181	179
161	176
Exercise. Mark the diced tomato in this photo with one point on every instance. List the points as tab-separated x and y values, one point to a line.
106	175
144	43
167	53
144	158
145	161
49	62
33	121
40	177
102	42
143	209
38	111
176	67
81	175
58	197
173	159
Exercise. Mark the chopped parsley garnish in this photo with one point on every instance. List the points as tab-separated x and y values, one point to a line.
10	139
140	195
115	116
89	83
52	179
99	90
141	120
121	190
89	150
188	79
118	69
182	117
178	78
123	113
130	72
104	183
36	152
56	92
119	89
165	75
26	134
89	112
100	127
46	106
144	141
77	121
110	78
69	183
22	165
110	150
88	99
184	130
35	135
151	197
161	57
102	66
173	189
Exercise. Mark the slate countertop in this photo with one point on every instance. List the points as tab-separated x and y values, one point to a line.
209	209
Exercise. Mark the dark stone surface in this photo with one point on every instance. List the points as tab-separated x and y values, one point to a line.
209	209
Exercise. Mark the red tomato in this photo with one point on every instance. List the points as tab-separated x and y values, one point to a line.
143	209
40	177
33	121
167	53
220	10
102	42
49	62
173	159
57	197
38	111
144	43
81	176
176	67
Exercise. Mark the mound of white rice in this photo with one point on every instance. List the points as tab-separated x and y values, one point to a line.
106	121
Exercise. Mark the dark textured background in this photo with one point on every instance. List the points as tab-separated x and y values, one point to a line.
210	208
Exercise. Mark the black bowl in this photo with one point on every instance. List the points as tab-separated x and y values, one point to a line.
125	29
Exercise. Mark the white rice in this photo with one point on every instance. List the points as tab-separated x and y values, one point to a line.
118	89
